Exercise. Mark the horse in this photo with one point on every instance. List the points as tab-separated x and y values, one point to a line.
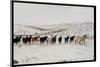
72	38
43	39
35	39
53	39
76	39
17	39
60	39
82	40
66	39
27	39
24	39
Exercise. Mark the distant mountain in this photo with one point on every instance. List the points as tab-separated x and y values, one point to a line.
86	27
33	27
75	28
26	30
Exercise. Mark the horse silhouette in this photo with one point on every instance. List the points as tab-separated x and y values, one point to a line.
27	39
17	39
53	39
60	39
66	39
72	38
43	39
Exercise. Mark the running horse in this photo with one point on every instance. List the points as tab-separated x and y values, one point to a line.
82	40
34	39
27	39
53	39
60	39
17	39
43	39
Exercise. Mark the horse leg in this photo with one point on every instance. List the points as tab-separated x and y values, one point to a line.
71	41
80	42
65	41
29	42
32	41
47	41
84	42
40	42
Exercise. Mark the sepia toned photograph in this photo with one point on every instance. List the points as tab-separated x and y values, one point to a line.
49	33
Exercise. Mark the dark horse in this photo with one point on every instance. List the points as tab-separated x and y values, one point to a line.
72	38
43	39
60	39
66	39
53	40
27	39
17	39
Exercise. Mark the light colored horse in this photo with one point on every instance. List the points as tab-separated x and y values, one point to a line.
80	39
76	39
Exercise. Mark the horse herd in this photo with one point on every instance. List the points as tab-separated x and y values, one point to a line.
29	39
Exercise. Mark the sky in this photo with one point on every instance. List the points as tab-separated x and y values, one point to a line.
42	14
